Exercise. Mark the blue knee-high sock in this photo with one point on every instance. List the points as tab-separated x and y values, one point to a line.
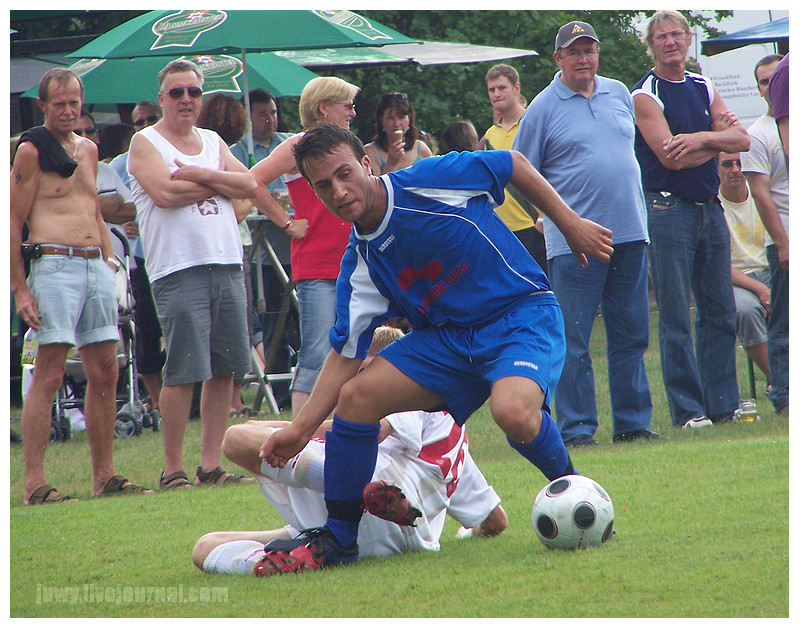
547	450
351	451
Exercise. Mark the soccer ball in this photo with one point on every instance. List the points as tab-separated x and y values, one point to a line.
573	512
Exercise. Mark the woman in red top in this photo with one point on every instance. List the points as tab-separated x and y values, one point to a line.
318	237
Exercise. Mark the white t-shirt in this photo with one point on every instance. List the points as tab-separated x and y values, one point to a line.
197	234
748	235
766	157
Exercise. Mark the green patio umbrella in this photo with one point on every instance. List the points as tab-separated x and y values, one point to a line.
194	32
132	80
229	32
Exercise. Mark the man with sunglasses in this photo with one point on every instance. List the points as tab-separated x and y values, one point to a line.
749	268
146	113
143	118
149	357
87	128
764	167
682	124
184	180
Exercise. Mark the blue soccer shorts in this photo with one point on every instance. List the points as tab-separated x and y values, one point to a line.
461	364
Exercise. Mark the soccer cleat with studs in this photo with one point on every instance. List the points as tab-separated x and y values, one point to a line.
387	501
313	549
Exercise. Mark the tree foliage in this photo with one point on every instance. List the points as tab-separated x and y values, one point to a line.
443	94
66	23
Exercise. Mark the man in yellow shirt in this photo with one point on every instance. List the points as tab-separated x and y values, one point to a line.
502	83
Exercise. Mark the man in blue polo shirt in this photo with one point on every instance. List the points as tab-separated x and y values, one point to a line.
578	132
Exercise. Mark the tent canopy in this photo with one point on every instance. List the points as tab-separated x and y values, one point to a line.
776	31
424	53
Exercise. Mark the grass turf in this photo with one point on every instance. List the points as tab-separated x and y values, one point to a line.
702	523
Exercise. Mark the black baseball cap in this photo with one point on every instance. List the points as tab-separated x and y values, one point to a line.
571	31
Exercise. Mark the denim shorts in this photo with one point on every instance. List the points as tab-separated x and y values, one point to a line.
461	364
316	300
203	315
77	300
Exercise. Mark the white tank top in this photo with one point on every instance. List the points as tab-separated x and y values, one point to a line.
198	234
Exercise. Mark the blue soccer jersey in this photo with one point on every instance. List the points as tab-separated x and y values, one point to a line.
441	255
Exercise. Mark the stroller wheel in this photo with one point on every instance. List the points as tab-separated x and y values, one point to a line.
155	419
127	425
55	430
65	424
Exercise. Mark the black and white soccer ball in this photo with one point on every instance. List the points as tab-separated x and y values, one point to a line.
573	512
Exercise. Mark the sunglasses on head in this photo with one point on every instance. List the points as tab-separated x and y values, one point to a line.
87	131
178	92
146	121
397	95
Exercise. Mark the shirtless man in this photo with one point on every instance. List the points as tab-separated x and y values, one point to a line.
53	191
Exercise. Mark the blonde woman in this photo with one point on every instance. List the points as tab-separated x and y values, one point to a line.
318	237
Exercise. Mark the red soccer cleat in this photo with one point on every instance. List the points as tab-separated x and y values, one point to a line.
388	502
311	550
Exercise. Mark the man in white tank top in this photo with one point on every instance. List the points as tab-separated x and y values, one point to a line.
183	180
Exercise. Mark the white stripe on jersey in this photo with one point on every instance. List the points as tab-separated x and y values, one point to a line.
648	87
366	301
453	198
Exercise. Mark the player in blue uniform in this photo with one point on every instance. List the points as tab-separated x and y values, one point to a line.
428	247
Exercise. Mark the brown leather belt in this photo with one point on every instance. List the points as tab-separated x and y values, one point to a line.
75	252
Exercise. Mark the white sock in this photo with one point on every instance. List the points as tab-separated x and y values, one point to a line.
304	470
239	557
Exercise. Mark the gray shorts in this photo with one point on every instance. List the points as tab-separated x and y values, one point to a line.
203	316
751	316
77	300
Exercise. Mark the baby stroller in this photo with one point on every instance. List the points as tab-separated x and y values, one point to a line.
132	415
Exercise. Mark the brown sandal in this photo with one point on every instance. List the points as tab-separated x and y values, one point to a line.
176	480
218	476
119	485
47	494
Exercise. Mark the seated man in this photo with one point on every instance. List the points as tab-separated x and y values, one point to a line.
749	268
426	453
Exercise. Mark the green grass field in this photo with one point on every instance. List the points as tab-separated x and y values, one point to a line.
702	522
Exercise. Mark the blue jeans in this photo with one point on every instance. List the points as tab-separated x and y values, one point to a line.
620	289
316	300
690	249
778	332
